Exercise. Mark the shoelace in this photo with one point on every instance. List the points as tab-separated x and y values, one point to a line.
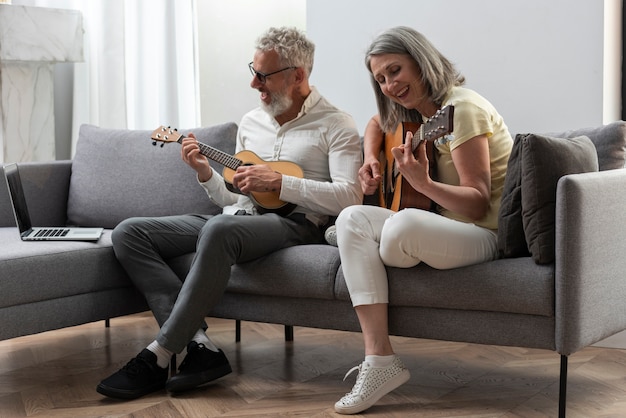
351	370
134	366
192	354
359	379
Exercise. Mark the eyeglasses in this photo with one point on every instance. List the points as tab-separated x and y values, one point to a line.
262	77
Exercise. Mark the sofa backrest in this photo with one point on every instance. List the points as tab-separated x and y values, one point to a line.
6	212
45	185
119	173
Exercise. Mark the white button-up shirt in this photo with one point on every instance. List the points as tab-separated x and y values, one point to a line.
322	140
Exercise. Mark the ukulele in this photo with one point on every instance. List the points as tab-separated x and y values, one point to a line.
264	202
395	192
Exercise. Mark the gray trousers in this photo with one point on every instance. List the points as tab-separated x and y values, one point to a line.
143	246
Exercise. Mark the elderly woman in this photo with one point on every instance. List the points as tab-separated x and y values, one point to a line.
412	81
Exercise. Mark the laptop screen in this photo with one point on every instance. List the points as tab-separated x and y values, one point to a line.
16	192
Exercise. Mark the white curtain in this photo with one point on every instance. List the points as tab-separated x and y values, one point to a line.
161	64
141	66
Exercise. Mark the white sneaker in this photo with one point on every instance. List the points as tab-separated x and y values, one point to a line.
331	235
372	383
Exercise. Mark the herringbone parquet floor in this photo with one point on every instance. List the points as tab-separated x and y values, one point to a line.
54	374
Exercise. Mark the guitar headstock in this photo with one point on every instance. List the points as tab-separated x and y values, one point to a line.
440	124
165	134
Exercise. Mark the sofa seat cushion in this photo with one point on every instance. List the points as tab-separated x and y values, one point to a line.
516	285
44	270
303	271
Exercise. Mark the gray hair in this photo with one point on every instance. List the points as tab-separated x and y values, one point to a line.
438	74
292	46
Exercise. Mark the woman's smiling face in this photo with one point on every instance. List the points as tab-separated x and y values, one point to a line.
399	78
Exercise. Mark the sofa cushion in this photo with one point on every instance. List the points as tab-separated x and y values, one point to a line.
35	272
609	140
518	286
301	271
544	161
108	158
511	239
610	144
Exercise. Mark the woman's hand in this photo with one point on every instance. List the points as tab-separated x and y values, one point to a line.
470	197
414	170
370	176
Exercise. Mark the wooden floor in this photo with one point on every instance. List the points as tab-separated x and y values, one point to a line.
54	374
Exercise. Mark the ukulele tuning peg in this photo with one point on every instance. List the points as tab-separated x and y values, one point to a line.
154	143
162	144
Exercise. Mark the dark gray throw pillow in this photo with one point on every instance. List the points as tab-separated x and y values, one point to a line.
610	145
511	239
118	173
544	161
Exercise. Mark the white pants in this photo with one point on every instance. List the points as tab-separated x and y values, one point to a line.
370	238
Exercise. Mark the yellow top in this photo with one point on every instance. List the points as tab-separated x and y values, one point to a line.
473	116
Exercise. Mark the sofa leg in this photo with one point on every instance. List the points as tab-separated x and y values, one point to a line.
173	365
237	330
563	387
107	322
288	333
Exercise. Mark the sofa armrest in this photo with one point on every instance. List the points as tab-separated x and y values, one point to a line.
46	187
590	266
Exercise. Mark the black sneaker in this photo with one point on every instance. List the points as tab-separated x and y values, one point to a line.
200	366
139	377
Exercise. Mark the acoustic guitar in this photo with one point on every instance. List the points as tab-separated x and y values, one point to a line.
395	192
264	202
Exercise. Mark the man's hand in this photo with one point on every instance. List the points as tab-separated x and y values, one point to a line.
190	153
257	178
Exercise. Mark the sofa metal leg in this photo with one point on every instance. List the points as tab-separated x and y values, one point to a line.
173	365
288	333
237	330
563	387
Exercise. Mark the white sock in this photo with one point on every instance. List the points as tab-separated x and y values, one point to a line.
202	338
163	354
380	361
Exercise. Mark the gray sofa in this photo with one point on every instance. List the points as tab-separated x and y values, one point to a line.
565	293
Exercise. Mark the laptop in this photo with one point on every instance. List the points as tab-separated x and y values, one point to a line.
22	217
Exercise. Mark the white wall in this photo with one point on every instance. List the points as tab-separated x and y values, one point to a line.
544	64
539	62
227	31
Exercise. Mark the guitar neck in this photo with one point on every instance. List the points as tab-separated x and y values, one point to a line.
436	127
418	137
216	155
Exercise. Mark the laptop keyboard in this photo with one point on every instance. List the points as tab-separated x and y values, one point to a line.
52	232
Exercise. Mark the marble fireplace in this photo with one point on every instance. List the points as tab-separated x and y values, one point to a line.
32	40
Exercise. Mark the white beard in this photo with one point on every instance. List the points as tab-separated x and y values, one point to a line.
280	103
